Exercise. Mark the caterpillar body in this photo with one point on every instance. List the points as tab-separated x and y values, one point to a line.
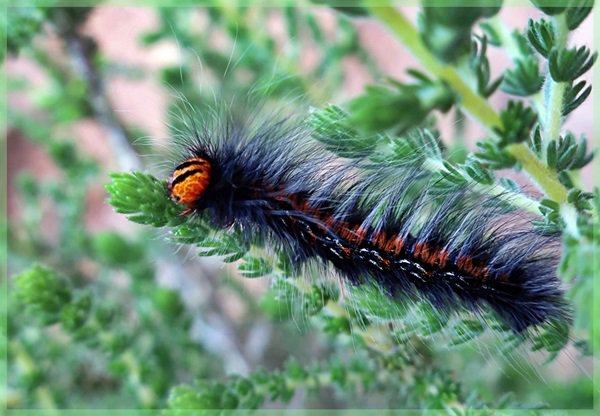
374	224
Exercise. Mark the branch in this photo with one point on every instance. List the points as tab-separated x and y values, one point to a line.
471	102
81	50
554	91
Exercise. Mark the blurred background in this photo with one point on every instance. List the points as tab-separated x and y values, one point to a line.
91	91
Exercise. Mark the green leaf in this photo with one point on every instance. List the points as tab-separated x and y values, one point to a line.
550	7
294	370
576	14
581	200
281	300
491	34
551	157
376	305
453	175
521	42
574	96
447	30
185	397
540	35
224	245
399	108
524	79
291	19
477	172
430	145
567	147
565	179
315	30
510	185
493	157
433	321
42	290
581	157
190	233
381	108
511	343
144	199
567	154
553	339
74	314
254	267
481	66
23	24
566	65
331	127
465	331
549	206
112	249
535	142
336	325
517	121
412	148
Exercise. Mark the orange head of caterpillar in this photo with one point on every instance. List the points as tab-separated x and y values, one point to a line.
189	181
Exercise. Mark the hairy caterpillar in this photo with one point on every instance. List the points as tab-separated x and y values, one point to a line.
272	181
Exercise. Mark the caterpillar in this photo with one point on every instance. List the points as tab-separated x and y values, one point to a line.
273	181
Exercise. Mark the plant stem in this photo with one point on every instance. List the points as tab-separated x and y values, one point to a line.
506	38
81	51
539	171
561	31
547	103
552	117
471	102
554	91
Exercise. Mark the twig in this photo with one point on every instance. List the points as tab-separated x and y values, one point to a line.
81	51
472	103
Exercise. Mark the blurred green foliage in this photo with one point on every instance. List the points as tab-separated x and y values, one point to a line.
111	319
